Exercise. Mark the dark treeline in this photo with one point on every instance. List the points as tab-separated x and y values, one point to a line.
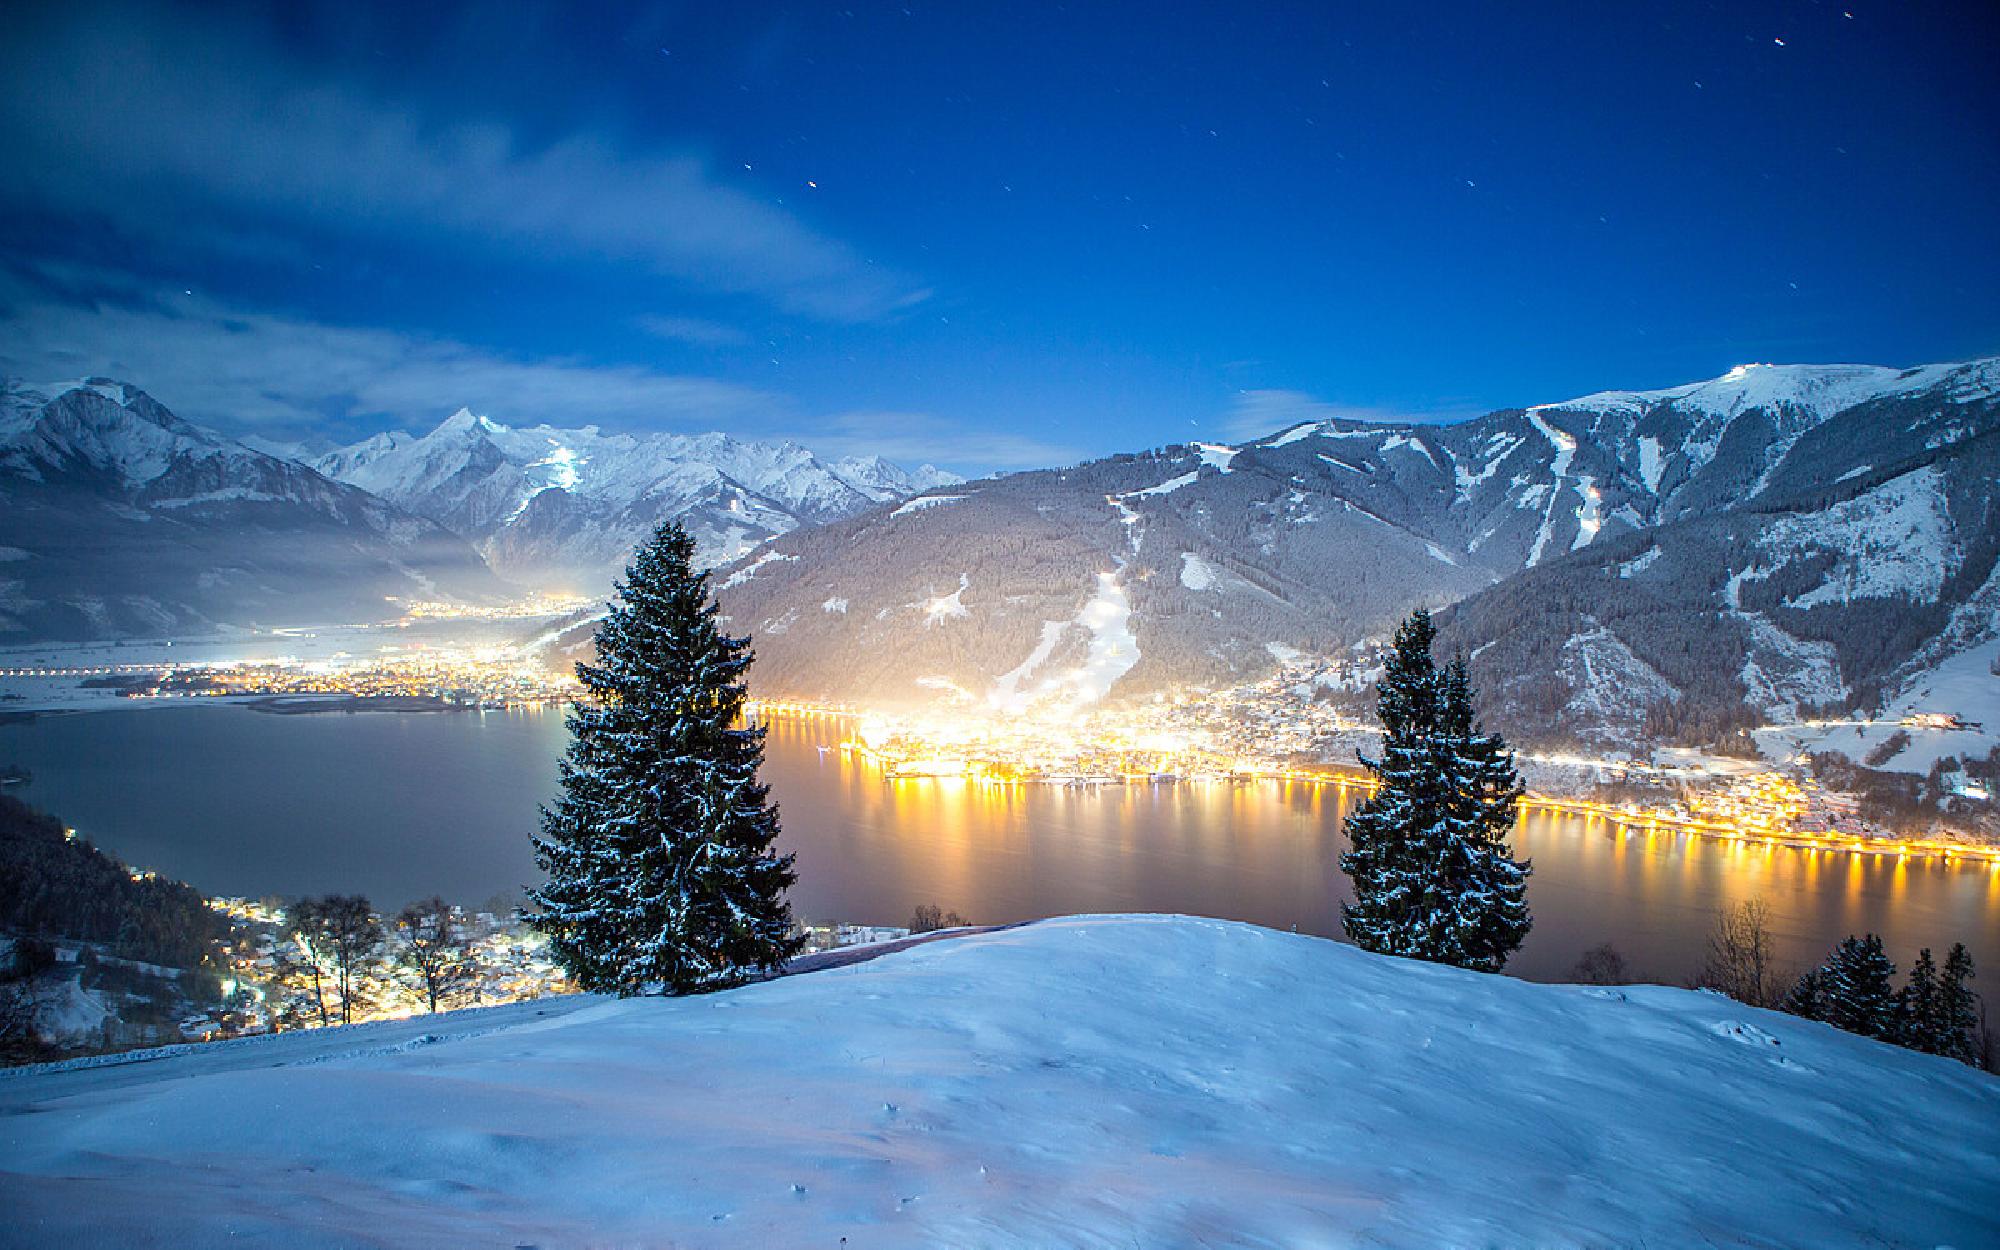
52	886
1935	1011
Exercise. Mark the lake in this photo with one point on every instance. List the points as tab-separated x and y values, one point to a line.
396	806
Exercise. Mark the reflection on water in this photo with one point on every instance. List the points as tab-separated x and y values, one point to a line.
400	805
1266	852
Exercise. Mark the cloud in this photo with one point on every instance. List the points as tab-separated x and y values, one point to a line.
242	369
185	131
250	371
1256	413
917	437
692	330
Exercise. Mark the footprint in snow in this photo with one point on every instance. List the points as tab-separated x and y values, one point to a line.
1738	1031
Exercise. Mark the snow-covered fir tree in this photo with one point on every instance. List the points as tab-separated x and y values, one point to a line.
661	876
1933	1012
1919	1018
1958	1008
1433	875
1806	998
1856	988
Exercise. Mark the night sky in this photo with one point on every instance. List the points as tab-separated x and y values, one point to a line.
987	236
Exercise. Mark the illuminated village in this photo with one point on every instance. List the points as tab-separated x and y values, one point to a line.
1272	729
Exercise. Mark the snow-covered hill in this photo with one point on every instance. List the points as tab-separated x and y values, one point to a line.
561	507
1093	1082
1215	560
119	518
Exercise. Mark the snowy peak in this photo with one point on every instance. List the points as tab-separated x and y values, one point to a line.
1323	534
1820	390
874	476
465	423
557	506
98	427
133	521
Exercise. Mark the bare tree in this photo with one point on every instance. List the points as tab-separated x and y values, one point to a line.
929	917
1742	962
432	948
21	1001
301	974
342	937
1602	964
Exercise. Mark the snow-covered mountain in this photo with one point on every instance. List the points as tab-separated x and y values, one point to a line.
1093	1082
564	507
119	518
1203	564
1837	545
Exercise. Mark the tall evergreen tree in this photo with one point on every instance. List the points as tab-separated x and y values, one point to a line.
661	876
1919	1018
1433	875
1958	1008
1856	988
1806	998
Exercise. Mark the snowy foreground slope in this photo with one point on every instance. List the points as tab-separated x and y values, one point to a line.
1104	1081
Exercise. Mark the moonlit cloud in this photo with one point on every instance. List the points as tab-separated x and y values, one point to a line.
187	136
276	376
242	369
694	331
916	437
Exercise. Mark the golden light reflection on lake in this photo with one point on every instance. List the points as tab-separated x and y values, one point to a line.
1267	851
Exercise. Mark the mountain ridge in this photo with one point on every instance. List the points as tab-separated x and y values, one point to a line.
548	505
1317	537
123	519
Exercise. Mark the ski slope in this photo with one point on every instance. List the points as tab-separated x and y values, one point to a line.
1096	1081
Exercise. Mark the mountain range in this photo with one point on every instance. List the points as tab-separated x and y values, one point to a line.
119	518
1779	539
1681	564
553	507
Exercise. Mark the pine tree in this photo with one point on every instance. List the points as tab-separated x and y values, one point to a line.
1958	1009
1856	989
661	876
1919	1020
1807	997
1433	876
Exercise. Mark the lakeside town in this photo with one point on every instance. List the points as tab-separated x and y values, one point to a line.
277	968
1304	722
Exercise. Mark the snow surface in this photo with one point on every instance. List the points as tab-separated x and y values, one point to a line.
1962	684
1007	693
949	607
1113	647
925	501
1090	1082
1639	564
1217	455
1196	573
1893	540
1651	464
1565	451
1611	686
749	570
1167	487
1819	390
1294	434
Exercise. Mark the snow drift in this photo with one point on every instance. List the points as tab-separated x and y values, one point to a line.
1105	1081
